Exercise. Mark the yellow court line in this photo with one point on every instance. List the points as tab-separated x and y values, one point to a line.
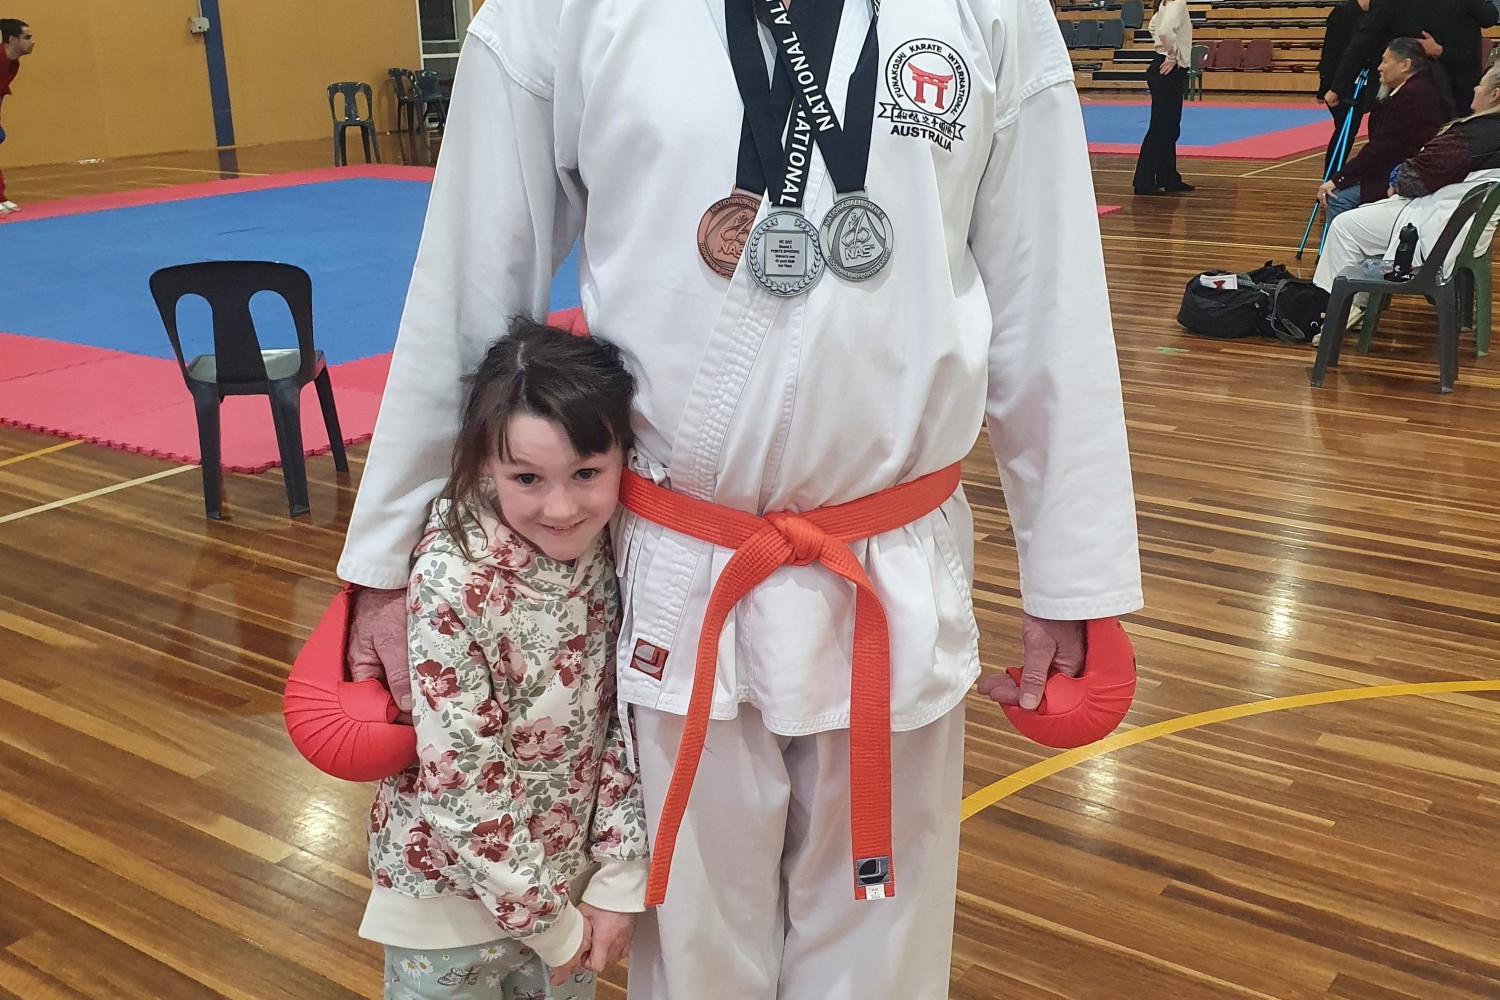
94	493
202	170
1283	163
40	452
991	794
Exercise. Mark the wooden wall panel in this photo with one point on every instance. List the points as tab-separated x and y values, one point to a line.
107	80
283	54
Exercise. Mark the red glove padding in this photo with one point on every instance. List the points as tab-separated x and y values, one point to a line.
1079	710
345	728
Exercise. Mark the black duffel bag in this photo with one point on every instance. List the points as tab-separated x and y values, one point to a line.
1212	308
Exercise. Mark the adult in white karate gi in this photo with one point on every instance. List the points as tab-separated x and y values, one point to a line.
617	123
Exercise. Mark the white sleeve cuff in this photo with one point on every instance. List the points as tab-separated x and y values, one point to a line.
561	941
619	886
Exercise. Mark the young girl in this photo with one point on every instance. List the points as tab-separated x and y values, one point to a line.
479	851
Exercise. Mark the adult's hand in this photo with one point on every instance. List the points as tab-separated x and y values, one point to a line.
1331	99
560	974
612	932
1430	46
1046	645
377	642
1324	190
1167	67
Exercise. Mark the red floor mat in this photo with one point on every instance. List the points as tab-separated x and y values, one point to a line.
139	404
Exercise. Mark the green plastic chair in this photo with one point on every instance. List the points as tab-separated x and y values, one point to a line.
1472	270
1432	279
1195	72
352	117
1475	268
404	83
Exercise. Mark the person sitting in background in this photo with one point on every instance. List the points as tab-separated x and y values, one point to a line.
1410	110
1427	188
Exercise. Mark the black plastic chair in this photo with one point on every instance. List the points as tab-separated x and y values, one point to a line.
404	83
240	366
350	117
1429	280
430	93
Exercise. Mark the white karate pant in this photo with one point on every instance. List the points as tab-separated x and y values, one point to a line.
761	900
1359	233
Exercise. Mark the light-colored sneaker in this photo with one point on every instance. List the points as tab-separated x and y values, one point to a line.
10	206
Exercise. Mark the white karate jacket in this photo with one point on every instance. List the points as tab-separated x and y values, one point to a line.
617	122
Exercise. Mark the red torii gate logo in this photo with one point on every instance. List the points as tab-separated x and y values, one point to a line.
923	79
928	81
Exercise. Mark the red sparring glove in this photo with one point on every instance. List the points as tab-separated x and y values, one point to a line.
344	728
1079	710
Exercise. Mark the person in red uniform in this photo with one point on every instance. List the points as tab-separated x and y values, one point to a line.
15	42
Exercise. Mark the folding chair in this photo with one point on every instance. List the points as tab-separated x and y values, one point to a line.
351	117
241	366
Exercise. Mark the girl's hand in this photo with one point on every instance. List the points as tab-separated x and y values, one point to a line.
612	934
562	973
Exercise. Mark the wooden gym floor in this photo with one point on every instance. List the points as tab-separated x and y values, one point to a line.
1304	804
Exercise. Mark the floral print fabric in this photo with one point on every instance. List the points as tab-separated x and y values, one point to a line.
521	782
501	970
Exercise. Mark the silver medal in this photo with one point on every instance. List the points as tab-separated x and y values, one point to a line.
784	254
857	238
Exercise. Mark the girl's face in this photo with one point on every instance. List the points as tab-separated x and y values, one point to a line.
554	498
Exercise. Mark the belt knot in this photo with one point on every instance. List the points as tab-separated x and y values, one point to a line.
805	538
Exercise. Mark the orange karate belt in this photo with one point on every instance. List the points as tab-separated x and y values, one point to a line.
761	545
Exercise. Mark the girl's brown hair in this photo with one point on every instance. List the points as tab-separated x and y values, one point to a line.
578	383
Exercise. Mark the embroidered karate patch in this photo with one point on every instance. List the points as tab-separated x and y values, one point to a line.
929	86
649	659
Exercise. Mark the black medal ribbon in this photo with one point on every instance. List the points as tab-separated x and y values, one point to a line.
807	57
766	108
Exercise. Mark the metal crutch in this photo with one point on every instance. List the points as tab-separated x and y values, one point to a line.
1340	151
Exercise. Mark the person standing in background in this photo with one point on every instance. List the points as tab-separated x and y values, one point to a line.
1156	168
1343	21
15	42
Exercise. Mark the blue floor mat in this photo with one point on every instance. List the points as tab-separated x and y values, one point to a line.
1201	126
83	278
